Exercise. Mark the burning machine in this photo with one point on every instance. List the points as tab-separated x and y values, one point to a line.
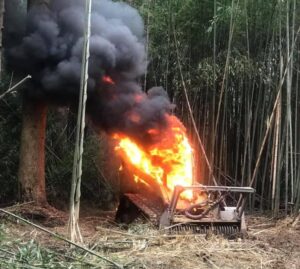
208	214
164	189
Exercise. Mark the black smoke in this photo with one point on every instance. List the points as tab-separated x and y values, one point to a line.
51	52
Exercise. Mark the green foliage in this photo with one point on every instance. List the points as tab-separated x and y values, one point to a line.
59	161
237	78
59	155
234	78
17	253
10	126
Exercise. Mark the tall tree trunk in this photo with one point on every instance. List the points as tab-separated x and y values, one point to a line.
2	9
32	152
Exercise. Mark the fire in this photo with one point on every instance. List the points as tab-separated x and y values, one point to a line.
108	80
167	162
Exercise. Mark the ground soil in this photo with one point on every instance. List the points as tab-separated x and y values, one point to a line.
271	243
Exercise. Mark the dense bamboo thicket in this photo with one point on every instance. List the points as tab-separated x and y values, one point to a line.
239	62
235	63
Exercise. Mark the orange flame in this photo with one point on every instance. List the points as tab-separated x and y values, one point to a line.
168	162
108	80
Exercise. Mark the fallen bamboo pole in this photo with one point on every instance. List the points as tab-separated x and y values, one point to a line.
61	238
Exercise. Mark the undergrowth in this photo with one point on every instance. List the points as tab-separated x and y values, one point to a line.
18	253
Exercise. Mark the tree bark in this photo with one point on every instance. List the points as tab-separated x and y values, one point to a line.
32	152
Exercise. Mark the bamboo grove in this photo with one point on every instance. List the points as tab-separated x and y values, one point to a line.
239	61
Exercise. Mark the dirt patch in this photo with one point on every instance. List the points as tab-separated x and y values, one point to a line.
280	236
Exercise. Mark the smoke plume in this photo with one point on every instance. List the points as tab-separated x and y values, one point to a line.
51	52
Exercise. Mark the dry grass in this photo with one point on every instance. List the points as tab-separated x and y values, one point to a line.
270	244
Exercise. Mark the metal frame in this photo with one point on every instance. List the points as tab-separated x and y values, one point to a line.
167	218
208	216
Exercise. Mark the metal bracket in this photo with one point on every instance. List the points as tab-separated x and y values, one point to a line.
168	215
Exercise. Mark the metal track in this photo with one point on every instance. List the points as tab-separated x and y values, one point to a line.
142	203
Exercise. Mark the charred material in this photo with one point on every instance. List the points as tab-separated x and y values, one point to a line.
136	206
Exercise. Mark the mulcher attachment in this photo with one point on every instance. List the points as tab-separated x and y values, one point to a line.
210	216
202	228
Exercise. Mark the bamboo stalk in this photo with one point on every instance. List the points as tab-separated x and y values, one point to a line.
77	165
61	238
227	62
271	117
13	88
275	153
191	112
